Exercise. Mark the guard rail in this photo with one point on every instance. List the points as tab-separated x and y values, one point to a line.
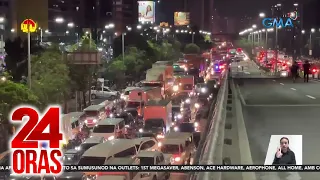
211	152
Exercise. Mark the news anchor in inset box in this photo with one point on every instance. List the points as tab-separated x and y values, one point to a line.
284	154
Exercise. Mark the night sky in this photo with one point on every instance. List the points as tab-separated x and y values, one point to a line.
237	8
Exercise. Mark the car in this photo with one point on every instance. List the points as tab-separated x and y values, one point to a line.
104	92
71	157
88	143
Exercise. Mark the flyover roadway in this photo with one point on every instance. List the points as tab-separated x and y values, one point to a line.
248	69
274	106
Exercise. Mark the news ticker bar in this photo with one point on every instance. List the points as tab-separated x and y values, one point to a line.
186	168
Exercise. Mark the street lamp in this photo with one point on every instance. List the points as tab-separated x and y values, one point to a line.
59	20
139	27
310	41
254	26
303	31
262	15
3	79
2	19
296	4
70	25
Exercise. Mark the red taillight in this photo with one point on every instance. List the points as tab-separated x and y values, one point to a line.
177	158
221	67
314	70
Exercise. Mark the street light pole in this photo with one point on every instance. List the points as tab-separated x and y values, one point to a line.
310	41
29	56
123	45
276	52
192	37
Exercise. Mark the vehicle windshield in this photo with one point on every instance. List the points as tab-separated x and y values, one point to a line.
86	146
186	127
91	113
170	149
68	156
175	109
152	84
126	92
104	129
91	160
134	104
146	160
154	123
140	135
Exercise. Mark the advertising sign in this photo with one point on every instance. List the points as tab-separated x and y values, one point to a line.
146	11
181	18
28	26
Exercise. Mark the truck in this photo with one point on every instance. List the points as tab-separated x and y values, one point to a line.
157	117
194	64
144	94
183	83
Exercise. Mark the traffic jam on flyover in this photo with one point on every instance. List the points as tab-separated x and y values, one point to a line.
160	118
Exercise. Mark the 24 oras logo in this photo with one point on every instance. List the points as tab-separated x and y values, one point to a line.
35	151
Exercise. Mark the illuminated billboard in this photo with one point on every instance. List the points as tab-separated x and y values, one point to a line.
181	18
146	11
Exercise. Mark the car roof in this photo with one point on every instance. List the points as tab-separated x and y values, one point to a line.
93	139
142	139
109	148
173	141
94	108
110	121
71	151
148	153
120	161
111	177
179	135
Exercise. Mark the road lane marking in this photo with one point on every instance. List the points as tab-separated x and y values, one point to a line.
311	97
281	84
293	89
274	80
247	72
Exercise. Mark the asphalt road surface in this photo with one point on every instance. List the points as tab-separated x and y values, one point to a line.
281	107
246	69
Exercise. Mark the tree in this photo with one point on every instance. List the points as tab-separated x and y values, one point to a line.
11	95
131	39
15	59
192	49
50	76
81	75
116	71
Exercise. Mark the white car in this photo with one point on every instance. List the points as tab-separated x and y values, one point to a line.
104	92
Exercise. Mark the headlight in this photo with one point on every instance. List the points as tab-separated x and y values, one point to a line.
159	136
143	175
188	101
95	121
179	116
177	159
159	144
175	88
86	121
176	129
89	177
78	148
196	124
203	90
196	105
215	86
141	130
110	138
111	115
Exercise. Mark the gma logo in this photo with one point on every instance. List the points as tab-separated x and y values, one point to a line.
271	22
